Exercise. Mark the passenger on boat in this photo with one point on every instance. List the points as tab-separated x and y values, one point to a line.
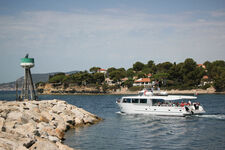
189	102
182	104
159	103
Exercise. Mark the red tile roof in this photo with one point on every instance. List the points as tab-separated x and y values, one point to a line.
149	75
102	70
124	79
205	77
143	80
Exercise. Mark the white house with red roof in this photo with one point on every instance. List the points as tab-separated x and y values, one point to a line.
205	80
102	71
142	82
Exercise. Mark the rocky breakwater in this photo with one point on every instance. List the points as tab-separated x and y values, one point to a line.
39	125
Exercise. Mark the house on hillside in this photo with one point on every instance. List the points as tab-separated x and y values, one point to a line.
142	82
149	75
102	71
109	81
205	80
124	79
201	65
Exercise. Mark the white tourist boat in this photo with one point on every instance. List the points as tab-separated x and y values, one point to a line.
159	103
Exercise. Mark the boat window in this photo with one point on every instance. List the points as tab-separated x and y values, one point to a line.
126	100
143	100
157	101
135	100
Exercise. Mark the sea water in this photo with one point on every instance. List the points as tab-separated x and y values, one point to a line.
143	132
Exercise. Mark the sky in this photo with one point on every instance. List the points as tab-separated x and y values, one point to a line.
79	34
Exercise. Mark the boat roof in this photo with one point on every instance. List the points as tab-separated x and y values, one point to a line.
166	98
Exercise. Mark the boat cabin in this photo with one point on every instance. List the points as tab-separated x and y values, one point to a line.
159	104
155	102
135	100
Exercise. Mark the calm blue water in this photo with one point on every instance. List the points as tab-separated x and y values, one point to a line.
142	131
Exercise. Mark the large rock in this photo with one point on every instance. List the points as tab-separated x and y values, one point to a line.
2	122
27	129
39	124
62	146
14	140
44	144
14	115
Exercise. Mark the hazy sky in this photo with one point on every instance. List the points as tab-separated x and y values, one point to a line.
66	35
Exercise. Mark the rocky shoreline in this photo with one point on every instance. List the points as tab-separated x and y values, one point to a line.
175	92
39	125
52	89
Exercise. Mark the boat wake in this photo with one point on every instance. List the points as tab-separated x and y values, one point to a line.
210	116
213	116
120	113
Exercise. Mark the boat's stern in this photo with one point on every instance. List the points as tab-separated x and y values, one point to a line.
196	109
199	111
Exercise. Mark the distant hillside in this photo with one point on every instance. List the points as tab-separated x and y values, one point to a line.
36	78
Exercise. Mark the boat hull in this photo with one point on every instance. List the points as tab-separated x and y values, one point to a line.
153	110
160	105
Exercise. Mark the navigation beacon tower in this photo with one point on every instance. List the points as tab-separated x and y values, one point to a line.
28	85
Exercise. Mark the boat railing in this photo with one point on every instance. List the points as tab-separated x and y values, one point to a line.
175	104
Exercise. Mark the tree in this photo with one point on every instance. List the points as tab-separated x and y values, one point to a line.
121	69
219	63
105	87
87	78
175	75
117	75
130	73
207	64
111	70
189	65
138	66
99	78
77	78
57	78
219	82
141	75
128	83
161	78
150	64
146	70
217	73
94	69
68	79
192	74
164	67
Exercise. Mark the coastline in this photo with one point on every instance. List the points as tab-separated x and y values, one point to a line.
31	124
127	92
135	93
